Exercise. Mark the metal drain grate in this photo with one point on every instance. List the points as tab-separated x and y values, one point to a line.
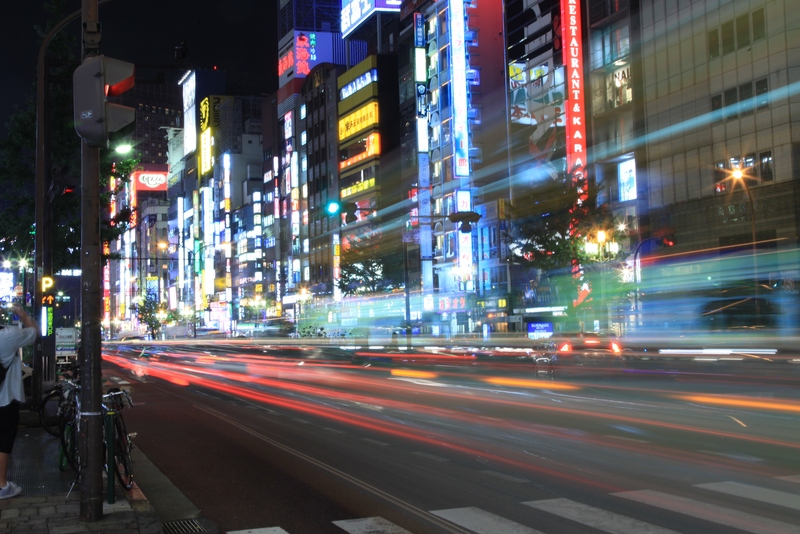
184	526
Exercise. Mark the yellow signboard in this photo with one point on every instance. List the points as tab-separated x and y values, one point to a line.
205	151
359	120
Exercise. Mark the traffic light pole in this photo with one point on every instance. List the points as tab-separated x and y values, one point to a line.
91	434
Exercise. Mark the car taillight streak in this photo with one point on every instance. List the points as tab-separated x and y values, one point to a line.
615	347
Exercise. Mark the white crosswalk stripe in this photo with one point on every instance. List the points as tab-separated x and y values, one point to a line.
270	530
370	525
781	498
483	522
596	517
710	512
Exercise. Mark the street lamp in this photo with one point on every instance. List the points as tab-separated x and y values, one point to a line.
739	176
602	249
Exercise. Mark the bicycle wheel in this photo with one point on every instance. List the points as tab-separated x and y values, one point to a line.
69	444
123	466
49	412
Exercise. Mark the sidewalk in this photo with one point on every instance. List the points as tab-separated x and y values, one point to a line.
44	508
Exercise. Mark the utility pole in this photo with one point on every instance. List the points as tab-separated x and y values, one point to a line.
91	434
96	78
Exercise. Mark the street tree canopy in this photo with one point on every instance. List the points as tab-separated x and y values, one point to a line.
369	264
549	234
18	164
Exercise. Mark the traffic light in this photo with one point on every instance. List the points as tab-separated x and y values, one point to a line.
348	208
465	220
667	241
96	120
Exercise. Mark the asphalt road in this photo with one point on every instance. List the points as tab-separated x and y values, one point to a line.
298	438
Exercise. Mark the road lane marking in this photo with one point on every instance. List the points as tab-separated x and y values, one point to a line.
370	525
375	442
504	476
483	522
781	498
596	517
346	477
431	456
732	417
270	530
710	512
626	438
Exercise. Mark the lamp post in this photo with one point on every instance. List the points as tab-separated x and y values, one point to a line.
739	176
603	250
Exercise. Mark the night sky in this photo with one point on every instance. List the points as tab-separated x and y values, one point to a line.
236	36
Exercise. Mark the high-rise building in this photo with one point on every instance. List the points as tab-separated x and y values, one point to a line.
674	99
310	47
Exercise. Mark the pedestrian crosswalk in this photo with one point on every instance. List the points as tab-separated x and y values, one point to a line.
690	507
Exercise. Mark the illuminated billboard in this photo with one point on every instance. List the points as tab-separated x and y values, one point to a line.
355	12
307	50
627	180
458	66
189	125
359	120
575	87
145	181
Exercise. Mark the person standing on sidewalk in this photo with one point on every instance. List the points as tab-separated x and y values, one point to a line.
11	392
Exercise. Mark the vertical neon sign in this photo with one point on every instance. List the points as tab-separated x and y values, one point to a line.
576	115
458	65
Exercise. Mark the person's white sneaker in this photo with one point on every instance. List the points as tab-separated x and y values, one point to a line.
10	490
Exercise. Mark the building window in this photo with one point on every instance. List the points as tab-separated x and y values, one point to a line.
716	102
745	94
720	186
713	43
743	31
728	39
765	169
731	109
762	93
759	28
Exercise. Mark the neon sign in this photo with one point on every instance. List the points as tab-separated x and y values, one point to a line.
359	120
354	12
307	50
459	88
576	114
372	147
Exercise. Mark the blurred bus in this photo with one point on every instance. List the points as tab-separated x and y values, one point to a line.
712	303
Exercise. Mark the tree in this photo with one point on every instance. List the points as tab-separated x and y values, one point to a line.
551	224
18	162
369	264
149	311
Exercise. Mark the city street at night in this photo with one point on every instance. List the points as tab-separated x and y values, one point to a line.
256	436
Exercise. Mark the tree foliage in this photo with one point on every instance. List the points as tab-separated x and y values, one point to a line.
549	235
18	162
148	312
371	264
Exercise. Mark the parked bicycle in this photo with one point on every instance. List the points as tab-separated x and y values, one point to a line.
55	402
115	434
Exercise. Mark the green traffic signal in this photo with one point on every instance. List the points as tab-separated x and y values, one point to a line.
333	207
348	208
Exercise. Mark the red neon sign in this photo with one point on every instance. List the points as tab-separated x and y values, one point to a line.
572	47
285	62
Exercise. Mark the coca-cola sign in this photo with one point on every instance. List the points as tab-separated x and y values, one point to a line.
151	181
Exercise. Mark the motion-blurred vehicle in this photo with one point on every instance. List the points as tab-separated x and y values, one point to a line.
578	350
